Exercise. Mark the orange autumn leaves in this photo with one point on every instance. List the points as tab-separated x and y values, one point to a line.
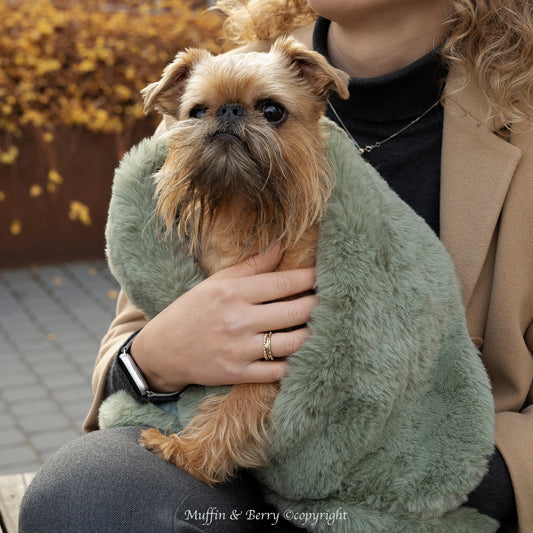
81	64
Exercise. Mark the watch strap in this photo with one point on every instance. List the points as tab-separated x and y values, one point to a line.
136	376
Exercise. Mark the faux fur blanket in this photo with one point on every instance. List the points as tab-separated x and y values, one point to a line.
386	412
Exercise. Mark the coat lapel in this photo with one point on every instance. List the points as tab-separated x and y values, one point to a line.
477	168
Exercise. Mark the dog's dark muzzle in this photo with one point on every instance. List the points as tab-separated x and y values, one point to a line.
230	112
229	116
230	123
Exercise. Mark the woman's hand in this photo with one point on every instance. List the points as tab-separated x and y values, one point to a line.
213	334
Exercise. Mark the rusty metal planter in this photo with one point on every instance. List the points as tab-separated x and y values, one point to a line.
51	218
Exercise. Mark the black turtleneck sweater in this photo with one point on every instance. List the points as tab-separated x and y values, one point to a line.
380	107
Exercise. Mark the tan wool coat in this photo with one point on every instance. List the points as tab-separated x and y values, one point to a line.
487	227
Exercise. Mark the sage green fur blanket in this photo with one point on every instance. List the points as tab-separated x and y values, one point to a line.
386	412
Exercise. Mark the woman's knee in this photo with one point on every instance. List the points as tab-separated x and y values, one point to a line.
106	482
102	481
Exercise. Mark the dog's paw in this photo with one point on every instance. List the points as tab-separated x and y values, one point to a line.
156	442
186	454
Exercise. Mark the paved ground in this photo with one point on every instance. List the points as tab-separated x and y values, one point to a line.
51	322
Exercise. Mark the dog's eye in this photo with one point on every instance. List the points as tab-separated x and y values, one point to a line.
274	112
198	111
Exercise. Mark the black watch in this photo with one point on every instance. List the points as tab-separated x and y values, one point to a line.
136	376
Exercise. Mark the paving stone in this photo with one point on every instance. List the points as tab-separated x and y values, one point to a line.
49	367
65	381
17	325
10	308
87	367
25	394
16	454
20	410
68	338
37	424
74	394
24	466
11	436
6	420
10	363
52	319
27	345
83	349
49	356
75	403
78	413
17	380
16	276
53	440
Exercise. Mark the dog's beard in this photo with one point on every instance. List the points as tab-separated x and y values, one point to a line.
240	173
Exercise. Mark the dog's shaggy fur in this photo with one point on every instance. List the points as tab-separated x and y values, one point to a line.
246	168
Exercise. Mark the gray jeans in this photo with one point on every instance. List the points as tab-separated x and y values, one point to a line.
105	482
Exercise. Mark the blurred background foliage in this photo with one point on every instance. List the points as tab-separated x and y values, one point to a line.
83	62
71	72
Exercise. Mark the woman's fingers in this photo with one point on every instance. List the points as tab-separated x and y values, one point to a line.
257	264
265	371
256	282
273	286
285	314
284	343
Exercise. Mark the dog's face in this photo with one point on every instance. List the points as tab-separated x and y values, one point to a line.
246	140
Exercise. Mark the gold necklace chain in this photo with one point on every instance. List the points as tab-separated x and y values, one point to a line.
369	147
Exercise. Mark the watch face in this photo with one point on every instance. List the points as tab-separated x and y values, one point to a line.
133	372
138	381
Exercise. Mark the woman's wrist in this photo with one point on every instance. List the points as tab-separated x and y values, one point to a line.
156	379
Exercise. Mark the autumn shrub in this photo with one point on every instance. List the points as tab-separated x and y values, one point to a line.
71	72
82	63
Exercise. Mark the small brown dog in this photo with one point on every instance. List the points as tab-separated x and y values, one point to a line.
246	168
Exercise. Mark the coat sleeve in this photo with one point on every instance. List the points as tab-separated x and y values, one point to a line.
509	334
514	435
128	319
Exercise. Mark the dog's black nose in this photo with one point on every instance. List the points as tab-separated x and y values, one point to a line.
230	112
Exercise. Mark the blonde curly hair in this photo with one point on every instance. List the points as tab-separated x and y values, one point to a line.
491	40
262	20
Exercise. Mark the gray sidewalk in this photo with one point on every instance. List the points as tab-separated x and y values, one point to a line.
51	321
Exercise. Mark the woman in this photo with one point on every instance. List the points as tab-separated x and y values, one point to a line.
471	180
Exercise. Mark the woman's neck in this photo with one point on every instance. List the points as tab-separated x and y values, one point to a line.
381	41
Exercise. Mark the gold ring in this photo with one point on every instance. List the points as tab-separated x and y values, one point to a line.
267	351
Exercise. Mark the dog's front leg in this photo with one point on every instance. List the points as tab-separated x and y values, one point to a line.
229	432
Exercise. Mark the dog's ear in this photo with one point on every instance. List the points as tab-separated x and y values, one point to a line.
165	94
313	67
